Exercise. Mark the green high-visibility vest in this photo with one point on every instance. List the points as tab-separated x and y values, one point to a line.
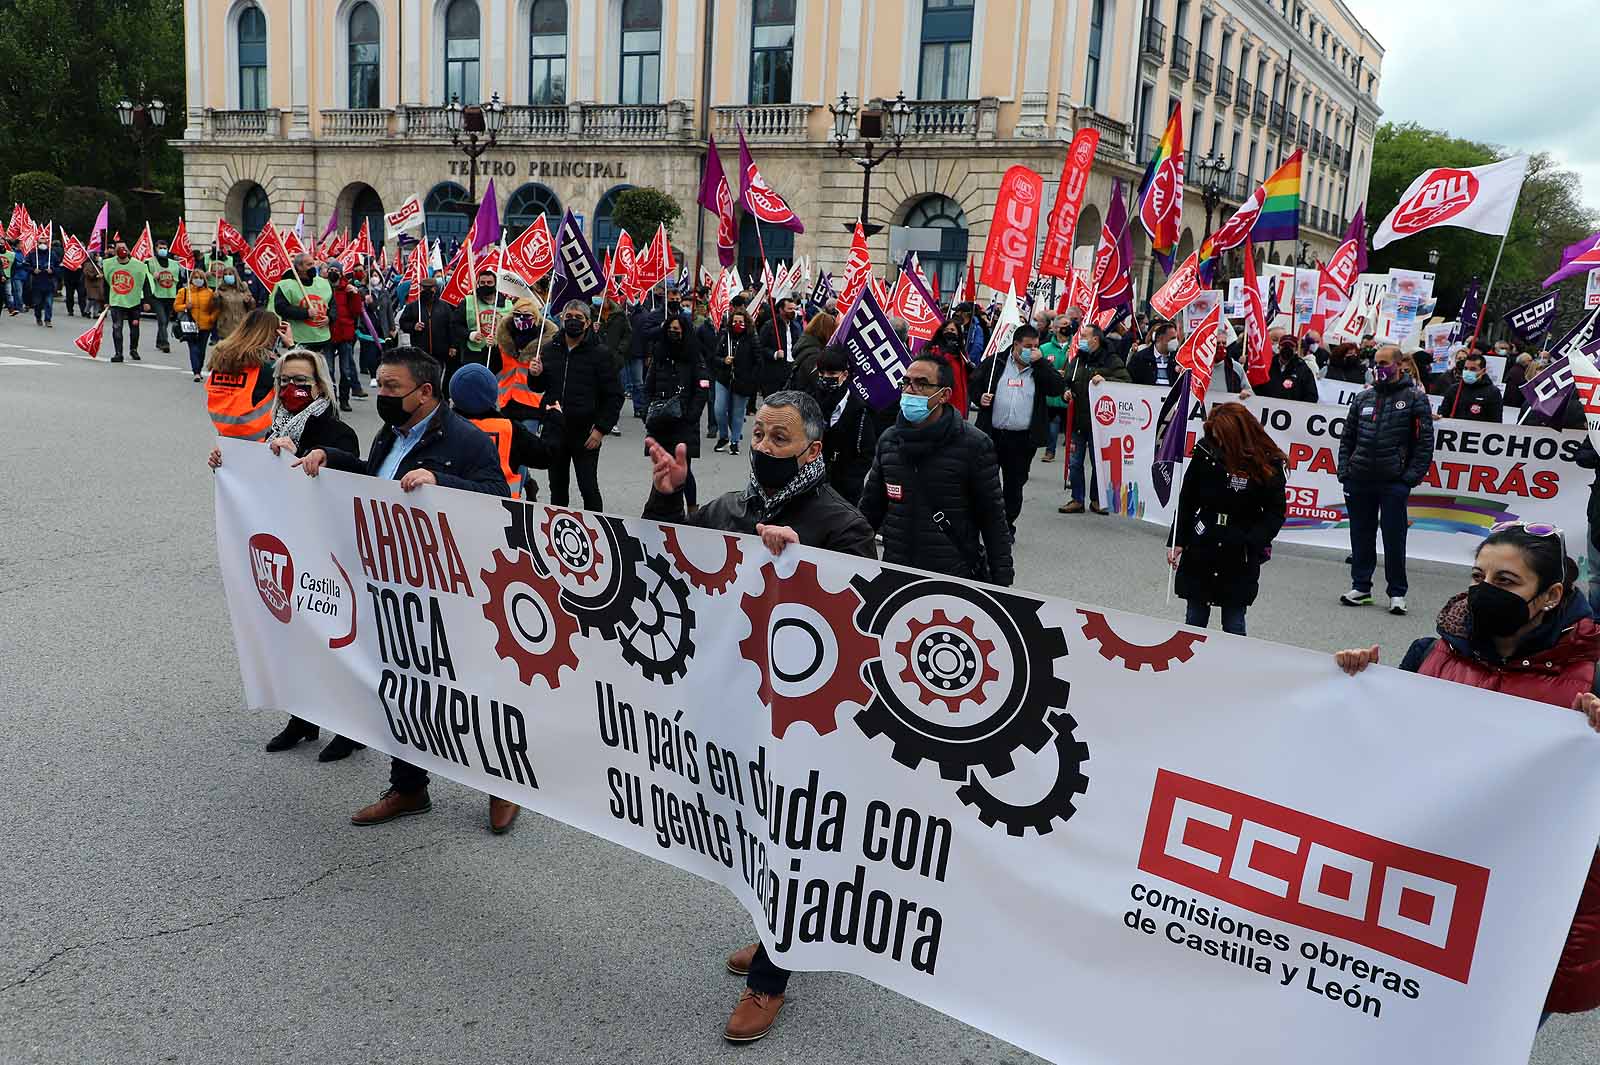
316	298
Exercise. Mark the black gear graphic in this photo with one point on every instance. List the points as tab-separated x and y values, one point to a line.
519	531
661	649
1057	804
1018	720
613	605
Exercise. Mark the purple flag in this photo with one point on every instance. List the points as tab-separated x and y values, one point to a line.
878	358
1584	337
578	275
329	229
1532	320
1357	231
1172	436
1113	256
1548	391
717	197
821	293
487	225
1576	259
1468	318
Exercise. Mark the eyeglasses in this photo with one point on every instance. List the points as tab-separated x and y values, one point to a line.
297	379
924	388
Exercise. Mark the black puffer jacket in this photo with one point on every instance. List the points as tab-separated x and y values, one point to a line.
1081	371
1388	436
821	518
584	381
1225	525
945	465
675	370
1477	402
743	375
1289	378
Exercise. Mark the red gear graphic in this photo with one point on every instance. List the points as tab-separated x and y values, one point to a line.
519	570
846	685
1179	647
712	582
984	649
596	557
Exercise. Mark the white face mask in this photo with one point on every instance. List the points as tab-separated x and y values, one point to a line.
1173	345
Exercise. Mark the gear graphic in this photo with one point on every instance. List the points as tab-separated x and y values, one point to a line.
537	604
1057	804
613	605
1179	647
712	582
1013	720
576	547
947	660
661	648
818	707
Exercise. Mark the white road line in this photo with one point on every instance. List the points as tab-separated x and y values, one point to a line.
16	360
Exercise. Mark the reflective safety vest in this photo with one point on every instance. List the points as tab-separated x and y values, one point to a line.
499	429
513	379
232	410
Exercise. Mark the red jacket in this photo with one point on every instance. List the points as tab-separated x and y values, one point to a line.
1557	674
348	304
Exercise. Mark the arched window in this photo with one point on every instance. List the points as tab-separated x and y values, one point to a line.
367	207
606	231
948	263
252	59
778	241
946	49
772	52
462	49
547	53
526	204
448	211
254	213
641	52
364	45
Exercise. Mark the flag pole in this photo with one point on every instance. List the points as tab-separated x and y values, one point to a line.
1483	308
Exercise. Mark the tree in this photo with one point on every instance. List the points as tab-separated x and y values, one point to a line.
80	206
39	192
641	209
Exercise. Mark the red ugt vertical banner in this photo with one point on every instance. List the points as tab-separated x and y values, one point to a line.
1008	255
1055	260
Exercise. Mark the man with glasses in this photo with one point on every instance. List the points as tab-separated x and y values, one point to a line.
934	487
576	373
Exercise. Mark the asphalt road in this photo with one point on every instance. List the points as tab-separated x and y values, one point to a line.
173	894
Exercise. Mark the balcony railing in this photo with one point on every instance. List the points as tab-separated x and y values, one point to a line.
1203	70
943	118
548	121
1289	128
1154	42
424	121
1113	134
1182	56
1260	108
357	124
1241	185
1241	97
625	121
1152	144
1224	83
1276	121
768	122
1304	134
245	124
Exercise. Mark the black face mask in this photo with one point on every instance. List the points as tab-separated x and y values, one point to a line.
486	294
574	327
828	392
772	472
1496	612
392	409
428	294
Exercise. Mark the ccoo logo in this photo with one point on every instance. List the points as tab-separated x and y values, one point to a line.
273	570
1447	194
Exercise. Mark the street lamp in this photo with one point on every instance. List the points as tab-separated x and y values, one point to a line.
1433	256
472	120
1213	178
1305	254
852	121
143	122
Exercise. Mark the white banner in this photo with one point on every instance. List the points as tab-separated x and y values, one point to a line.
1591	290
1037	816
1481	473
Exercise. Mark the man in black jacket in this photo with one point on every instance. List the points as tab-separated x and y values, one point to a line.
1153	363
1384	453
787	502
776	343
575	372
429	322
1012	387
422	443
1473	397
934	487
1289	377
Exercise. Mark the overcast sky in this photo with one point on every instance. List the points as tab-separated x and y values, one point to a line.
1518	73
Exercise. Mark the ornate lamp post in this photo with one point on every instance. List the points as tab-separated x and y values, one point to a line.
143	122
872	126
1213	178
466	125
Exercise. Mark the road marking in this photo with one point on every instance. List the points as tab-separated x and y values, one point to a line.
15	360
41	351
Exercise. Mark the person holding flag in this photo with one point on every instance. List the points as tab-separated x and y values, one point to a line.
304	299
1015	383
126	278
1093	364
166	276
45	267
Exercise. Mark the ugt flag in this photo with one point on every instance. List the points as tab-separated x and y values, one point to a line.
1161	192
716	197
1480	198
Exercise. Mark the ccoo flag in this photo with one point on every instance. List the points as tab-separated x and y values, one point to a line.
1532	320
1480	198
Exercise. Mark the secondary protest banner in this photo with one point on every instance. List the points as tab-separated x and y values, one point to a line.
1481	473
1038	816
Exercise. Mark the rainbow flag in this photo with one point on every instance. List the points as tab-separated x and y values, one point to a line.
1161	192
1271	213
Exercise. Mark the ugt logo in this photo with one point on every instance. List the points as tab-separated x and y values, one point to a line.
1447	194
273	571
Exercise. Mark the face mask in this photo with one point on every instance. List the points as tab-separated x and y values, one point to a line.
1385	372
913	407
522	323
1083	346
772	472
161	253
738	327
1469	377
227	279
486	294
309	276
1496	612
573	327
1172	346
428	294
828	390
392	409
295	398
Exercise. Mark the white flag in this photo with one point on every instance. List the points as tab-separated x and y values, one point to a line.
507	281
1010	318
408	216
1481	198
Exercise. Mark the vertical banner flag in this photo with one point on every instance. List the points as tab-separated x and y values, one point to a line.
1113	285
1172	436
486	225
144	247
1181	289
1271	213
1008	254
761	199
1199	352
1576	259
180	247
1055	258
532	255
102	222
716	197
89	340
1532	320
578	273
1467	318
407	216
1257	344
1161	191
877	357
1480	198
857	268
268	260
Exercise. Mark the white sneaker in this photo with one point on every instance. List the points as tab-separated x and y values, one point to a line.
1356	598
1397	605
374	384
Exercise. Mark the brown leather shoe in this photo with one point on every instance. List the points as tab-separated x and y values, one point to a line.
393	804
740	960
1096	508
501	813
752	1017
1073	507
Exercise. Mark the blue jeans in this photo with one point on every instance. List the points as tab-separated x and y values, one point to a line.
1054	424
197	348
1198	614
44	304
730	413
1374	507
633	384
1082	451
349	378
15	299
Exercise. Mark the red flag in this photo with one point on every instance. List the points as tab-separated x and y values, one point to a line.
1008	253
336	246
1257	345
89	341
969	294
29	239
417	269
350	259
1199	352
20	222
180	247
231	240
144	247
364	240
532	255
1056	258
722	293
1182	288
880	291
1161	197
268	260
626	269
292	243
73	254
933	285
922	321
857	268
651	265
460	272
383	257
761	199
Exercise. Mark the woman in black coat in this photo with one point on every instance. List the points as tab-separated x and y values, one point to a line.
737	362
1230	508
675	379
851	438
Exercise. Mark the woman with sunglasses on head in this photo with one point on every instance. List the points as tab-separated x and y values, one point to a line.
304	418
1524	629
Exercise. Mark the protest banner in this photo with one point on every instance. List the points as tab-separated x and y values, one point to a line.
1591	290
1481	473
1037	816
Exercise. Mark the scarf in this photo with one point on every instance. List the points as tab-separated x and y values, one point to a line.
292	425
810	476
